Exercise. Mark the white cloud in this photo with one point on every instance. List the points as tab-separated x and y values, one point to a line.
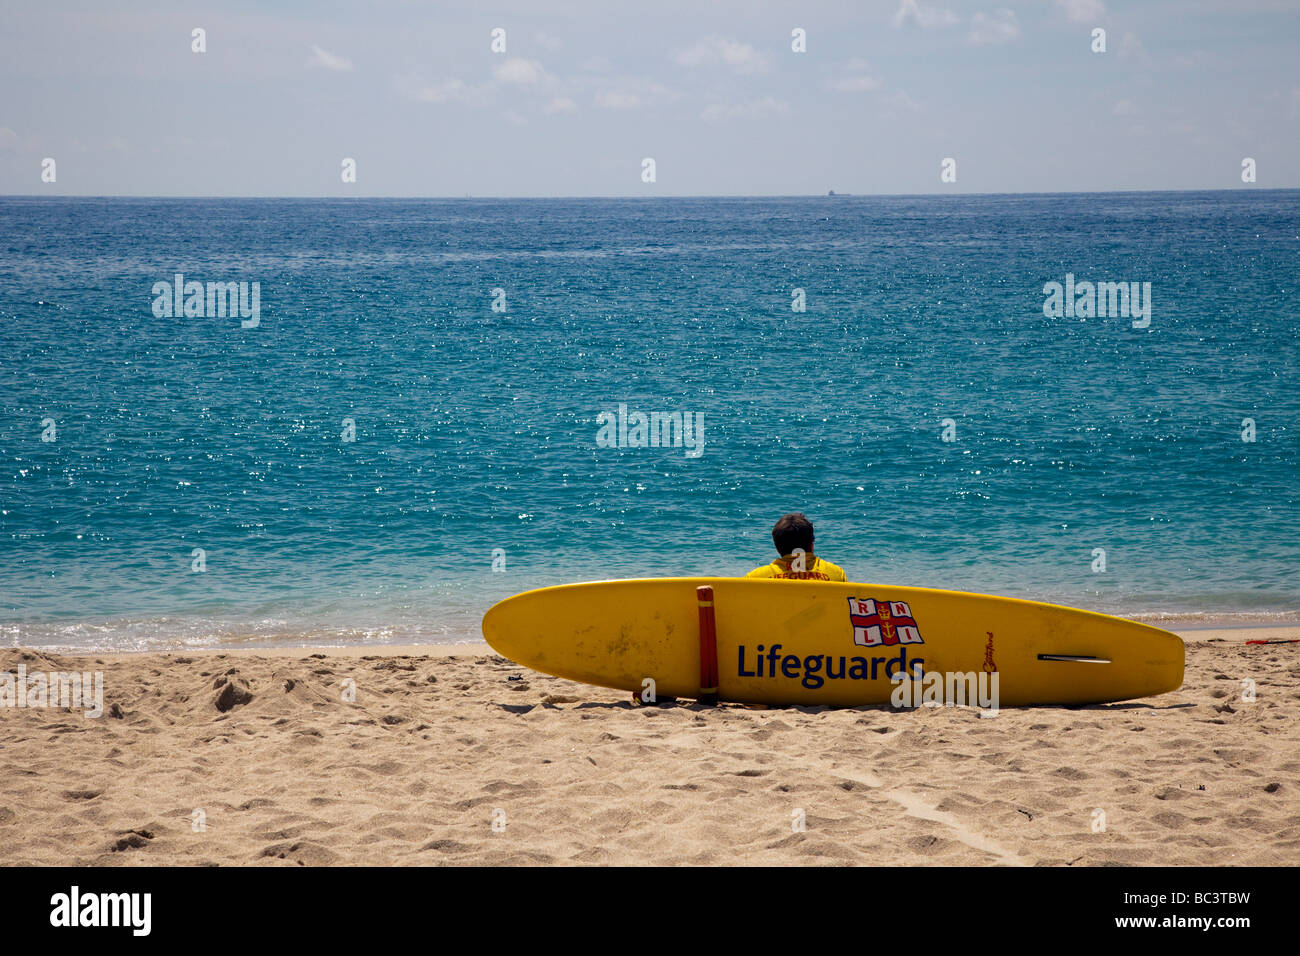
734	55
658	93
1000	26
855	84
924	17
547	41
327	60
1130	45
618	101
1083	11
629	92
898	103
1124	108
561	104
519	72
853	77
759	109
444	92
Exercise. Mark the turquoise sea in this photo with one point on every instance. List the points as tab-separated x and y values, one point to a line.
136	447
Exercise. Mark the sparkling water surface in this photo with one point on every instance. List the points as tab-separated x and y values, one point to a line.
476	430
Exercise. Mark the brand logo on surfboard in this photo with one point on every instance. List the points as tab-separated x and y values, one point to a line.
882	623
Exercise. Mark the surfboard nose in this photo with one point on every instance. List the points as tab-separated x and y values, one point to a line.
493	630
509	628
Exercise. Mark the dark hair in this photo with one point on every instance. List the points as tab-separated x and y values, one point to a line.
792	531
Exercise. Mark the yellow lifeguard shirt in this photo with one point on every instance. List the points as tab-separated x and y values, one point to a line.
818	569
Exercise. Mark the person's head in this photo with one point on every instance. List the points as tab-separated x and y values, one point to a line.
793	531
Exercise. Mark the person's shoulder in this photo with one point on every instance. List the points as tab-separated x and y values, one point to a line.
831	570
766	571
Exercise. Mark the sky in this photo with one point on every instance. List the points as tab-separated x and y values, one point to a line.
584	92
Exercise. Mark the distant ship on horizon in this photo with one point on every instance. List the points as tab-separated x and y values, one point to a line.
834	193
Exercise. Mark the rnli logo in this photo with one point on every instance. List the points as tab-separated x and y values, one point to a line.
882	623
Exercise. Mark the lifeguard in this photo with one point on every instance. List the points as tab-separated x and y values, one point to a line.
793	537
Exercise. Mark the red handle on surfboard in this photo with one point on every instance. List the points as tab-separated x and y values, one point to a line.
708	647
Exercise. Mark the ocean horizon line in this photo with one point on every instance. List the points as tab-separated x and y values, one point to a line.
1235	190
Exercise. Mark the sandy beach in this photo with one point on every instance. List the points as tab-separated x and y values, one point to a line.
453	755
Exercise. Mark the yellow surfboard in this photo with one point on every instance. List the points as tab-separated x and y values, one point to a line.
803	642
